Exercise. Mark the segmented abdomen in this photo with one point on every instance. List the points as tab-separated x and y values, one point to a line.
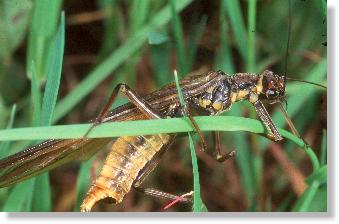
127	157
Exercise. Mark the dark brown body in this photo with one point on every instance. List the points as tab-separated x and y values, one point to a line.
130	157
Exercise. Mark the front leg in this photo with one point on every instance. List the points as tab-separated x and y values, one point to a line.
273	132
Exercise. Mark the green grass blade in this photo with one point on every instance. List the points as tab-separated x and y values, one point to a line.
83	183
54	75
195	38
111	27
138	14
179	40
119	56
132	128
198	205
4	146
42	195
238	26
19	198
35	97
160	58
224	59
44	24
306	199
251	65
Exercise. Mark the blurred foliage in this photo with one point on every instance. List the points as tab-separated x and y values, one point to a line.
141	43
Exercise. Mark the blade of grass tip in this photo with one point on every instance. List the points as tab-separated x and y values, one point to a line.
238	26
198	205
251	30
179	40
54	75
106	68
4	146
42	195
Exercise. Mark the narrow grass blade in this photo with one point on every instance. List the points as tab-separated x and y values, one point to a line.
42	195
35	97
224	59
4	146
19	199
160	57
304	202
198	205
313	197
179	40
138	14
112	27
44	23
251	31
238	26
104	69
194	41
54	75
83	183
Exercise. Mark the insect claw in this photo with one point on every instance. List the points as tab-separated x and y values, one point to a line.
182	198
222	158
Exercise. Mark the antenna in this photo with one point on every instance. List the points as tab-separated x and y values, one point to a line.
299	80
289	23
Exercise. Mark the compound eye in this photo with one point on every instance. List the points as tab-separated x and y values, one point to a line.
271	93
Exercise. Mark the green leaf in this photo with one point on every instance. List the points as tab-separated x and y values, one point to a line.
237	23
179	40
42	196
4	146
36	97
43	26
314	199
83	182
54	75
20	197
198	205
